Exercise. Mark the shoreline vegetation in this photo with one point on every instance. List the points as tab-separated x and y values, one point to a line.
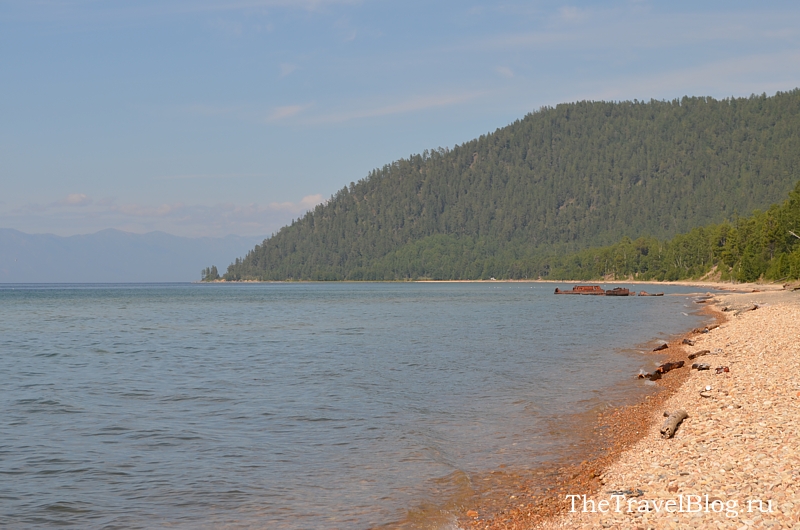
733	463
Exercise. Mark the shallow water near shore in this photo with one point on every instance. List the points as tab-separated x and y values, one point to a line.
298	405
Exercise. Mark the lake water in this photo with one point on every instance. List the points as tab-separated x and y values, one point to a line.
314	405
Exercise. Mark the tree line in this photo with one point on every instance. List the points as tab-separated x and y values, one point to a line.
765	245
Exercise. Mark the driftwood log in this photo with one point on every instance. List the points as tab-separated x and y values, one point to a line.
705	329
664	368
753	308
662	347
700	353
672	422
672	365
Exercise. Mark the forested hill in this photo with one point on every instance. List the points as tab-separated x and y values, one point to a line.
560	180
765	245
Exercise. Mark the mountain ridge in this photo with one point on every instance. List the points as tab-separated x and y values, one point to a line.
562	179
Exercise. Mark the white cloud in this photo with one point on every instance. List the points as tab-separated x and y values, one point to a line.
74	199
284	112
306	203
279	113
613	29
505	71
401	107
289	111
287	68
193	220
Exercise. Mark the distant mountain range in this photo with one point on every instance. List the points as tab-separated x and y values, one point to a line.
112	256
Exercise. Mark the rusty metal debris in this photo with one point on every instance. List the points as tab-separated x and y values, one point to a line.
596	290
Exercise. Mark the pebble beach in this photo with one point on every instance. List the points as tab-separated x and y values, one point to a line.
734	462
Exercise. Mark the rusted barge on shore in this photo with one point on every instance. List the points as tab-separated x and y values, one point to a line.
596	290
583	289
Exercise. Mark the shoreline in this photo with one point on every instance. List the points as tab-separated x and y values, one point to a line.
737	448
603	439
630	446
708	284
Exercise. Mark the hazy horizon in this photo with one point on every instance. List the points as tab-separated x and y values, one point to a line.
114	256
132	233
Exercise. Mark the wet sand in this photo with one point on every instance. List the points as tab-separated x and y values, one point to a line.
739	445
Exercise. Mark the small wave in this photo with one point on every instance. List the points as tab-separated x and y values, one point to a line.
452	524
67	507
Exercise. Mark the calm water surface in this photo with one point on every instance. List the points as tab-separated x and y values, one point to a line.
294	405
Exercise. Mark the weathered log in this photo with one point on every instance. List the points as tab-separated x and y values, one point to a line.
753	308
672	365
705	329
700	353
662	347
664	368
701	366
672	422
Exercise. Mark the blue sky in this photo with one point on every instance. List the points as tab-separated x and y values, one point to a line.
212	117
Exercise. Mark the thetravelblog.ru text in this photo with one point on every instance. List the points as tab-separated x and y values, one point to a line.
678	504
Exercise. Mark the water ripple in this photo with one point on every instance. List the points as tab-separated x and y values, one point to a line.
291	405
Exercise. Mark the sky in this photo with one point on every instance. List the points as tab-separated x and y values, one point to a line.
216	117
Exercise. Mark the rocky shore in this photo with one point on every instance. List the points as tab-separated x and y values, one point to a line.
734	462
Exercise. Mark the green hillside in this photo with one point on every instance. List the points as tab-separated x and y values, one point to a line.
764	245
556	182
